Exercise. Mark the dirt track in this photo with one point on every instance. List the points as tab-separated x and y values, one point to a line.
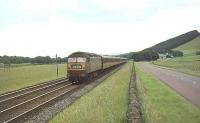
186	85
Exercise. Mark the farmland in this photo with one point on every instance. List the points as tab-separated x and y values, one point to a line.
160	103
186	64
107	103
189	63
21	76
190	47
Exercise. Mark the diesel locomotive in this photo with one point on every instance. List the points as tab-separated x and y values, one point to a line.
83	65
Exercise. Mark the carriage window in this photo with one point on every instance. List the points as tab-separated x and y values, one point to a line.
72	59
79	59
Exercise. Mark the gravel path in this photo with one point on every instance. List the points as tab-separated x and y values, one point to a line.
186	85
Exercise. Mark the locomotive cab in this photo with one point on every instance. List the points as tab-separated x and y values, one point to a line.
83	66
76	68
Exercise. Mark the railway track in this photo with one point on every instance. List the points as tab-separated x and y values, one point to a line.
14	105
22	91
21	104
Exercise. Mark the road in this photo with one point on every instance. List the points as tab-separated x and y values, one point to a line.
186	85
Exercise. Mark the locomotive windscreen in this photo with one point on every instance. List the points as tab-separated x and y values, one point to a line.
80	59
71	60
76	59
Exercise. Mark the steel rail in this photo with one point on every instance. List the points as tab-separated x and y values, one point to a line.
14	101
31	91
6	112
23	90
18	113
12	119
31	87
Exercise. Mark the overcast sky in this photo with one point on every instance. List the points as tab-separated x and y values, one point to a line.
46	27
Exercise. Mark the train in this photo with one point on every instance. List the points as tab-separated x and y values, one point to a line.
82	66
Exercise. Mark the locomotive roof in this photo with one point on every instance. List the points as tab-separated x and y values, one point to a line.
83	54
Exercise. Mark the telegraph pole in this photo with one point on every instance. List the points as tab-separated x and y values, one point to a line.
57	64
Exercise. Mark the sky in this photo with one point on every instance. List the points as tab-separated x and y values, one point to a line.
46	27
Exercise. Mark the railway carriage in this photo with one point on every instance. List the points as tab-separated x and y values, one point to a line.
83	65
109	61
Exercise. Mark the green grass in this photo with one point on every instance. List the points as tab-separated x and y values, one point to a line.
190	47
107	103
161	104
189	63
23	76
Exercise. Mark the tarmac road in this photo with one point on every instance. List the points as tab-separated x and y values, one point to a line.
186	85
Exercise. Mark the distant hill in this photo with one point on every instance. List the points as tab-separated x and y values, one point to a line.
191	46
188	42
174	42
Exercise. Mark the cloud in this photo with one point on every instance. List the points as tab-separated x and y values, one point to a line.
47	6
173	21
105	27
67	36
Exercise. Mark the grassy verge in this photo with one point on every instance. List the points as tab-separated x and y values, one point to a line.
188	64
107	103
161	104
20	77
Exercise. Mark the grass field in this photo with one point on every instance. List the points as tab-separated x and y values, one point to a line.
190	47
107	103
189	63
161	104
23	76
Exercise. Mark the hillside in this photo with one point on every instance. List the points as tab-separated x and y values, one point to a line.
174	42
190	47
189	63
189	43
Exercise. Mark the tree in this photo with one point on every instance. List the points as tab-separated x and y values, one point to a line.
198	53
64	60
5	59
146	56
41	60
175	53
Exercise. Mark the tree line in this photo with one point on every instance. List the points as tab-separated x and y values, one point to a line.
147	55
150	55
36	60
175	53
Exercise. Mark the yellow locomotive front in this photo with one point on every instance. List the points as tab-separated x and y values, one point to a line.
76	68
